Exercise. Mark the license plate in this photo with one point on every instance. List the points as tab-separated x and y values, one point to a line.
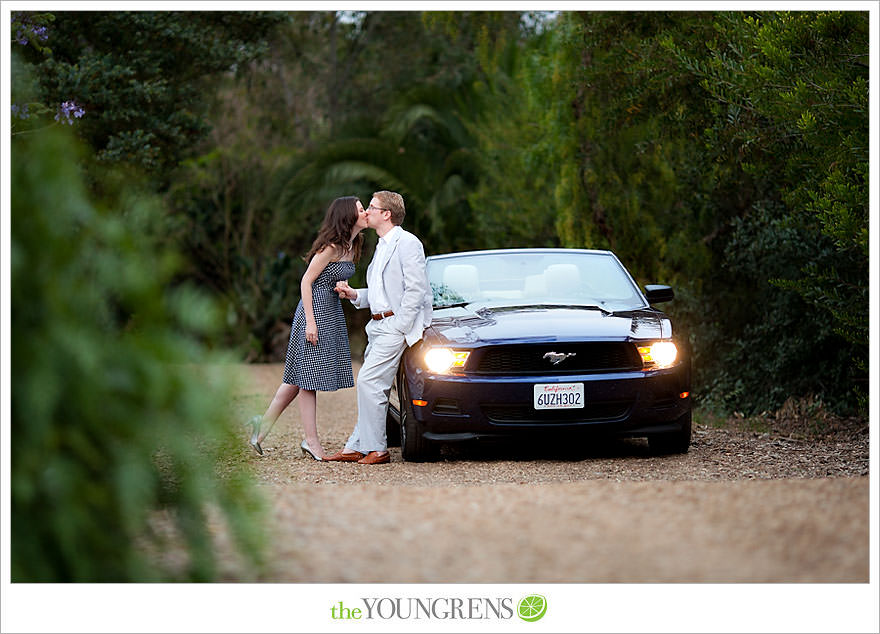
559	395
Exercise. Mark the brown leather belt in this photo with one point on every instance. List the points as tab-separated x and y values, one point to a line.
383	315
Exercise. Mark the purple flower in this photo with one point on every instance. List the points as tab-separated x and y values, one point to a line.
24	29
66	109
20	111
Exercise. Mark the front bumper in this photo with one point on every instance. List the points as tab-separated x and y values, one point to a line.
631	403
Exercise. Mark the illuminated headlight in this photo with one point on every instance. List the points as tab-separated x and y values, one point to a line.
660	354
440	360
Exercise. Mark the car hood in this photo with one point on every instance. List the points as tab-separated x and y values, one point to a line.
477	324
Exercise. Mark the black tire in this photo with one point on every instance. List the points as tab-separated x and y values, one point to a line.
392	420
392	428
413	446
673	442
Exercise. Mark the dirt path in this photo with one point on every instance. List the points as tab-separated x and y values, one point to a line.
738	507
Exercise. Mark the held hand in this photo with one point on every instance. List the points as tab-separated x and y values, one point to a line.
312	333
345	291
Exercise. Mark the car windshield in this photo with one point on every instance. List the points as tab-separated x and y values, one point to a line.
515	278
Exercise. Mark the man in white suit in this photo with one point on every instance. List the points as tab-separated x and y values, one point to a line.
399	298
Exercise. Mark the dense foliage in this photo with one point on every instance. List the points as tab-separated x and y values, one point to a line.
722	152
142	77
117	415
356	119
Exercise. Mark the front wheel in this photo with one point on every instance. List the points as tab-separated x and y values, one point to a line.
674	442
392	416
413	446
392	430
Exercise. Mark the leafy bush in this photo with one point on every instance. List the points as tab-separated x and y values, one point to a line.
143	77
721	153
117	408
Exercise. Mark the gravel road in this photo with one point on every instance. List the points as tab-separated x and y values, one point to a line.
739	507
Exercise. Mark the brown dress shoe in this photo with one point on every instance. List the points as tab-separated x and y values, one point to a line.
374	457
344	457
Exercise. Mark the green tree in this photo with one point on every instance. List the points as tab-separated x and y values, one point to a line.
790	99
682	142
328	112
142	77
520	126
117	407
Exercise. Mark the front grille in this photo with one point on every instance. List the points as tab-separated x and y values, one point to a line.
594	356
526	414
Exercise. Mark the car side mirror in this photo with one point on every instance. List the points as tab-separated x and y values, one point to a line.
657	293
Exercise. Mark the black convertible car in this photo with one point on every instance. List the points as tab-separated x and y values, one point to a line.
539	342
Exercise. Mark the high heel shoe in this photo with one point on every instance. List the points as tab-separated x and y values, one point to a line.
254	442
305	449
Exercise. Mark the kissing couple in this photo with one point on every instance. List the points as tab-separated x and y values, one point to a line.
399	299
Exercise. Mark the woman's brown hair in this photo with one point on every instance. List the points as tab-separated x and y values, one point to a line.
336	228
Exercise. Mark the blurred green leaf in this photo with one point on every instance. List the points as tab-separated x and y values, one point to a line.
109	373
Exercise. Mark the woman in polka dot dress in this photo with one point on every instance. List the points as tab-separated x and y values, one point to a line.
318	355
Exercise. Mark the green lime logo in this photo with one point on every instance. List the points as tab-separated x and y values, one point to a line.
532	608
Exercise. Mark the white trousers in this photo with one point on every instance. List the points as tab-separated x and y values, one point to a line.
385	346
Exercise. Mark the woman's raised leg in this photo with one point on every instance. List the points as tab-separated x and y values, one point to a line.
284	396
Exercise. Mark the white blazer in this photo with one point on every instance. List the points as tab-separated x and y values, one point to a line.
406	287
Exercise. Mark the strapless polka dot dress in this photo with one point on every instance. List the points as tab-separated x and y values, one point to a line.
326	366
